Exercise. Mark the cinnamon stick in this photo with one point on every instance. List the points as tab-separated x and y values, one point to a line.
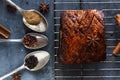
4	31
116	50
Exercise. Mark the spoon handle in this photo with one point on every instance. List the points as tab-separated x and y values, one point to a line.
10	40
13	4
16	70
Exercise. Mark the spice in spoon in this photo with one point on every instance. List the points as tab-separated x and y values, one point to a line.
31	62
30	41
32	17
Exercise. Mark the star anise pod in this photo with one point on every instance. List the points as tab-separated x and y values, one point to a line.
16	76
92	40
44	7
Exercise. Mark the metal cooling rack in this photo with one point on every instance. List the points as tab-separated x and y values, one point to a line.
104	70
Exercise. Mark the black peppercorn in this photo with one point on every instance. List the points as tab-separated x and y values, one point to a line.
31	62
27	3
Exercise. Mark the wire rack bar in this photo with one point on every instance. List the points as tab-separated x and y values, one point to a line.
106	17
101	9
111	2
87	77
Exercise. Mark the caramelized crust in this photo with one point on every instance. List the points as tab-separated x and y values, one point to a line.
82	37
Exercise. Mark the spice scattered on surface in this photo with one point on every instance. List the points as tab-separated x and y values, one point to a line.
117	17
11	8
31	62
16	76
30	41
4	31
27	3
116	50
32	17
44	7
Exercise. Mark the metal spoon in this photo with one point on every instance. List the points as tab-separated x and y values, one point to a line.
41	27
42	57
41	40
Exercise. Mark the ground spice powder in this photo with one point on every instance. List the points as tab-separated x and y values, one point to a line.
32	17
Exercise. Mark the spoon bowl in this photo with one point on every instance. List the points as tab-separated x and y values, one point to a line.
41	40
41	27
42	57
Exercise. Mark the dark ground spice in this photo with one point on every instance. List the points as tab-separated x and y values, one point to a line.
31	62
30	41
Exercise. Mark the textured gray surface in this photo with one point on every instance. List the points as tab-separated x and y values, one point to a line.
12	54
